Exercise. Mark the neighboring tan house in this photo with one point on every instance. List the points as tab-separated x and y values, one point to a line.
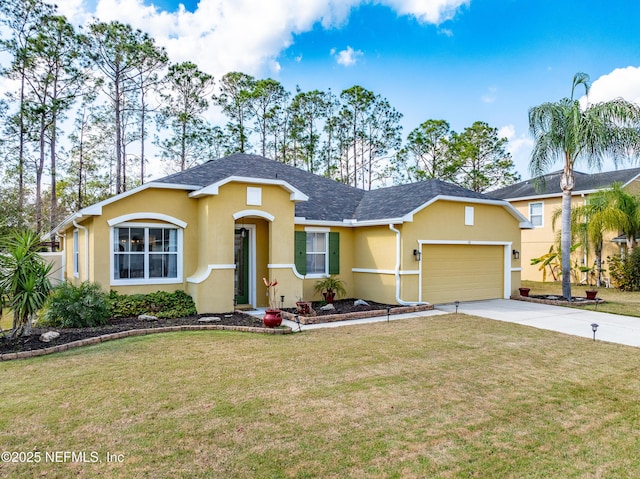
538	204
217	229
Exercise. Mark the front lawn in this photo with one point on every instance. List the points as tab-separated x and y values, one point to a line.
443	397
616	301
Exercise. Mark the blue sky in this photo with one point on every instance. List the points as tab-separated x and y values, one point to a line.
457	60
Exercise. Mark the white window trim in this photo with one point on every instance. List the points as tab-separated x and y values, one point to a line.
142	281
76	253
541	203
325	231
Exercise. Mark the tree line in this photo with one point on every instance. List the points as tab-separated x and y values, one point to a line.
121	94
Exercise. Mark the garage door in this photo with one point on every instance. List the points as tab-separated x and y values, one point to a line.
462	272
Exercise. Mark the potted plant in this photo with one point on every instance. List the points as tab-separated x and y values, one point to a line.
272	316
591	293
330	287
304	307
524	291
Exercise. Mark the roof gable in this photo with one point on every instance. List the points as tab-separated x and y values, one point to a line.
318	199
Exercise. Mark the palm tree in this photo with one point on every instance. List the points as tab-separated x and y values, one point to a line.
24	282
629	206
600	214
565	130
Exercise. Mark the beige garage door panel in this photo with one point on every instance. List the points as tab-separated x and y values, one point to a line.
462	272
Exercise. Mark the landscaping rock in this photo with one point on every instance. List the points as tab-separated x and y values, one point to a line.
209	319
360	302
328	307
49	336
147	317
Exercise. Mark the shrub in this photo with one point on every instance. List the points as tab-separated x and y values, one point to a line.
161	304
78	306
625	273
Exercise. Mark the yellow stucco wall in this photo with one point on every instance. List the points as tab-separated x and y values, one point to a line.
208	244
442	221
346	264
536	242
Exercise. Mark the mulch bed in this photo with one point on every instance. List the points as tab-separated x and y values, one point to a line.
237	319
33	342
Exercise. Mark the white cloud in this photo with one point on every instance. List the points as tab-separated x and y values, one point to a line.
427	11
347	57
620	83
520	146
243	35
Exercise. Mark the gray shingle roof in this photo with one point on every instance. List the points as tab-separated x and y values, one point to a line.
329	200
551	183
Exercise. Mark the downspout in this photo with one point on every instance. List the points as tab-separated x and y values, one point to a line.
86	248
397	269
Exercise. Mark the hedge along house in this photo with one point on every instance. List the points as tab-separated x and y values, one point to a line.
538	199
217	229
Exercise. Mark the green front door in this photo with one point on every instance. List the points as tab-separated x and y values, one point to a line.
241	258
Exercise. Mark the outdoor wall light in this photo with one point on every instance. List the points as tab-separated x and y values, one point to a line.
281	302
417	254
516	254
594	328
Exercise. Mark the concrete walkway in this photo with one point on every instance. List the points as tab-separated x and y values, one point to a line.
611	327
379	319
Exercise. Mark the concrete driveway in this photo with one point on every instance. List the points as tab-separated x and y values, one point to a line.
611	327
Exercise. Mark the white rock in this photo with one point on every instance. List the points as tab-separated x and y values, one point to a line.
208	319
360	302
49	336
147	317
328	307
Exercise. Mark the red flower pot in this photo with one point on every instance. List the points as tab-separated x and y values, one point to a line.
591	294
524	291
328	296
272	318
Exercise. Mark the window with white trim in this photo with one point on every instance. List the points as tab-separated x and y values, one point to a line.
146	253
535	214
317	258
76	254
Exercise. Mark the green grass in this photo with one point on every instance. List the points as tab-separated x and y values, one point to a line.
616	301
445	397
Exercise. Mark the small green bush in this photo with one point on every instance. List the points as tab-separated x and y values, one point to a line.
81	306
160	304
625	273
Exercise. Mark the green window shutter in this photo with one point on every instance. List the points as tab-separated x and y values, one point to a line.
334	253
301	252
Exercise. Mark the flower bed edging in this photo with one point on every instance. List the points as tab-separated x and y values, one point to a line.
555	302
330	318
138	332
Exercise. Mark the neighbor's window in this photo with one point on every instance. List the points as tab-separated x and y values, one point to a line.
316	253
535	214
145	253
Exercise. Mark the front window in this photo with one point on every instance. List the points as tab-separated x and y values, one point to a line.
535	214
316	253
145	253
